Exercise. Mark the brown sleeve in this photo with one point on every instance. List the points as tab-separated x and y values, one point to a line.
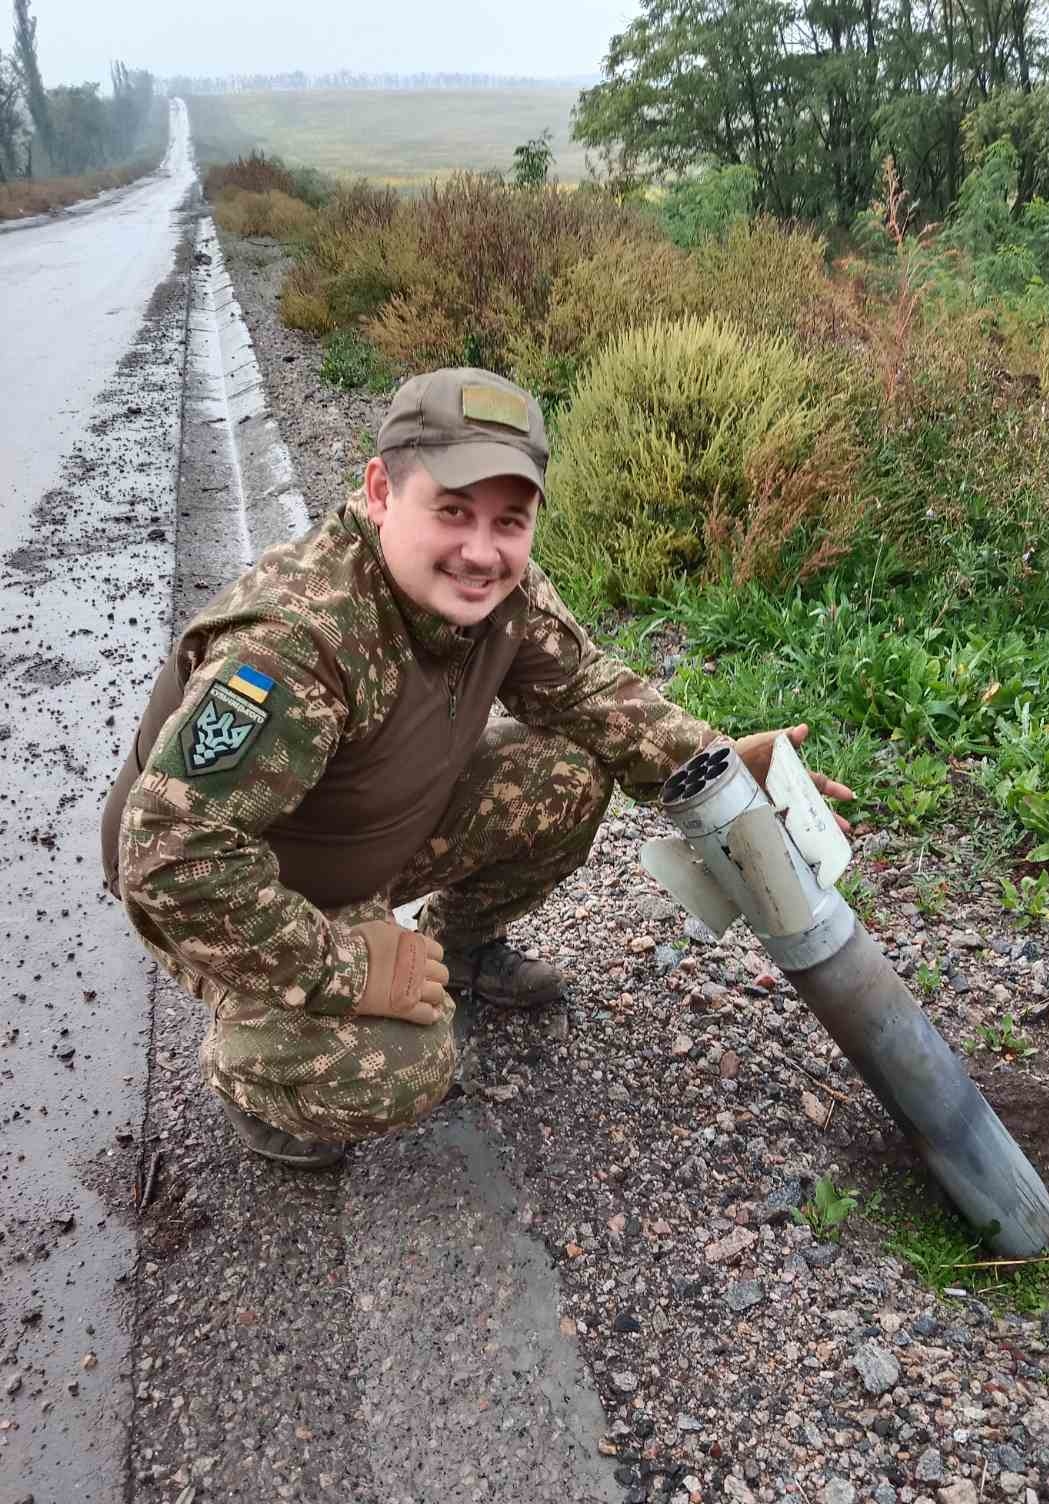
561	680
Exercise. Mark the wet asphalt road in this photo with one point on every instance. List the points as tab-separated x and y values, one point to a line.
91	351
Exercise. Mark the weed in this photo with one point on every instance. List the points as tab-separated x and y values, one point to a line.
858	894
928	979
930	896
1001	1039
921	793
1028	901
350	363
827	1210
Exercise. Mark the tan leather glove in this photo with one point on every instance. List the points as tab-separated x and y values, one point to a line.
405	977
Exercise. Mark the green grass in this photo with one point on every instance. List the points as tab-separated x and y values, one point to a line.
942	1249
924	704
401	136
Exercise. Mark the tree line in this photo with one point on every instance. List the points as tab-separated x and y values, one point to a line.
812	95
70	129
248	83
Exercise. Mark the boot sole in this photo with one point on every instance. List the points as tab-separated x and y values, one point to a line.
300	1162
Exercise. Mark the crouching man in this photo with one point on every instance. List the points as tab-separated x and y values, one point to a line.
319	749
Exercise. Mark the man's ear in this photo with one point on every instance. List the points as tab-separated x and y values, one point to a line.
377	489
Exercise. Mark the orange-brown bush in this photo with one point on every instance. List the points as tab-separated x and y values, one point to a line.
463	270
256	173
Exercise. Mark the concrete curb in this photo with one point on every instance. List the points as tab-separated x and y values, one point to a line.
268	503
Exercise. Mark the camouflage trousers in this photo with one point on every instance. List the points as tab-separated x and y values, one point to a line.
520	819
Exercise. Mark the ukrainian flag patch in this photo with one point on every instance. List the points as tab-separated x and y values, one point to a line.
247	681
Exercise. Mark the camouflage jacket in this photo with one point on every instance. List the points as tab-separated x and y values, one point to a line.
305	738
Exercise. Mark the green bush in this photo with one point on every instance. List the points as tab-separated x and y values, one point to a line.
622	283
314	187
685	443
767	277
708	204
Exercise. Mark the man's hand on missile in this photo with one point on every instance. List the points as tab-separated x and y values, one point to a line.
756	752
406	978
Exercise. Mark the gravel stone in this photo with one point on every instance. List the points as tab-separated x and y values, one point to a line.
838	1491
929	1468
877	1368
962	1492
665	958
747	1293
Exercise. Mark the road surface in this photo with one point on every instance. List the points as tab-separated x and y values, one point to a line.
90	380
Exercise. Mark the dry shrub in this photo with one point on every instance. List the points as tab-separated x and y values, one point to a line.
467	268
256	173
686	448
23	198
359	205
272	213
766	277
814	499
303	300
415	332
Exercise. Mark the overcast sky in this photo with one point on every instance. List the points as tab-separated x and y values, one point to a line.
544	38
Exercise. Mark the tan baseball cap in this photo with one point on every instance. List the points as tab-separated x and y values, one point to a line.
468	425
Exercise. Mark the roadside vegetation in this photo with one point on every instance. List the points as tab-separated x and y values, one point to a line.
825	475
60	145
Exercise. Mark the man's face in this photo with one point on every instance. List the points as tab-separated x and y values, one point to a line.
455	553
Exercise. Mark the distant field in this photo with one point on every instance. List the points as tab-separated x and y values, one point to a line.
402	136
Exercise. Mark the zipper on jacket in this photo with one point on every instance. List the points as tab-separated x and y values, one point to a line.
455	679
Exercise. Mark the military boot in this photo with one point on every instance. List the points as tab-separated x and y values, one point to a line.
496	973
274	1143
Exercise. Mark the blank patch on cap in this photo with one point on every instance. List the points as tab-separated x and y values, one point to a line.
486	405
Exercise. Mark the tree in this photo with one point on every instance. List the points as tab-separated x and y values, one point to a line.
29	73
131	104
12	121
809	94
80	128
1022	117
533	160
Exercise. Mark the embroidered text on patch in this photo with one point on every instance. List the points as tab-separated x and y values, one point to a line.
217	737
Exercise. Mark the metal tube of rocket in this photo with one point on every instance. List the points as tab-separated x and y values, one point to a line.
775	859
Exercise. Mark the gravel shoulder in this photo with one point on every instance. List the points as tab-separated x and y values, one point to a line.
661	1126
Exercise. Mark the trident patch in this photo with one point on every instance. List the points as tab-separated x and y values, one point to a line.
219	735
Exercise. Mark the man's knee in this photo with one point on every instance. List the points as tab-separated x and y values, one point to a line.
364	1079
